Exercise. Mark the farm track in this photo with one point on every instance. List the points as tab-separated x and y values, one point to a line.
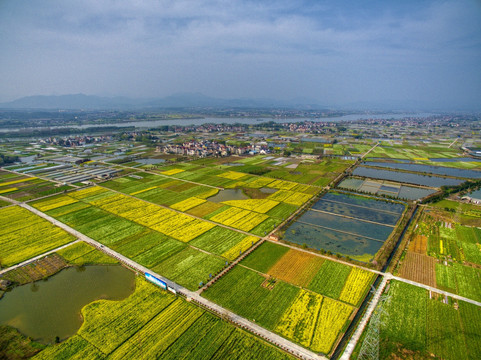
364	321
269	336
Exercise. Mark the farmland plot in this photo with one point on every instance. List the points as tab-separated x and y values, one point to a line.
330	279
24	235
241	291
265	256
296	267
419	268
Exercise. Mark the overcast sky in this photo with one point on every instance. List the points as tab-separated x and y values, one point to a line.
336	52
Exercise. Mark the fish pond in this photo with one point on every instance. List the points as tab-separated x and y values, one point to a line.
404	177
380	187
49	308
229	194
437	170
350	225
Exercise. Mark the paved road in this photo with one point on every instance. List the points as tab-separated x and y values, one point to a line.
365	319
427	287
37	257
367	152
269	336
12	201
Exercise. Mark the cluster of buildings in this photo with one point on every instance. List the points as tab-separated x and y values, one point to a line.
205	148
73	141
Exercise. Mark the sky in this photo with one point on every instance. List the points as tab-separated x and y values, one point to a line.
337	53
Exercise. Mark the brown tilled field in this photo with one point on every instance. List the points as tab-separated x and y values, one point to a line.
420	268
418	244
296	267
37	270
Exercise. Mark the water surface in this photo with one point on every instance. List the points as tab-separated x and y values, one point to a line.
438	170
228	194
424	180
46	309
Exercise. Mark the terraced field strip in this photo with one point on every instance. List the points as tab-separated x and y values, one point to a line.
275	339
352	218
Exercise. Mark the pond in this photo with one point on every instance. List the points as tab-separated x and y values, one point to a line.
401	191
350	225
476	194
438	170
228	194
424	180
267	190
458	159
46	309
357	247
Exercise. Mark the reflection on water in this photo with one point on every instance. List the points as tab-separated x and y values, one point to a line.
228	194
46	309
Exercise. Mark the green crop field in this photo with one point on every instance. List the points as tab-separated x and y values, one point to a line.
241	291
23	188
307	318
24	235
265	256
418	326
330	279
218	240
82	253
189	267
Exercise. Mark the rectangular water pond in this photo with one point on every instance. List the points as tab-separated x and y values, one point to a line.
357	212
437	170
343	224
379	205
404	192
349	224
356	247
416	179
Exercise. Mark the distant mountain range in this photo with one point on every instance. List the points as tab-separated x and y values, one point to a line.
182	100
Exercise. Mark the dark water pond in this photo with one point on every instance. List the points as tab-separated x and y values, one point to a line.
458	159
424	180
438	170
228	194
46	309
